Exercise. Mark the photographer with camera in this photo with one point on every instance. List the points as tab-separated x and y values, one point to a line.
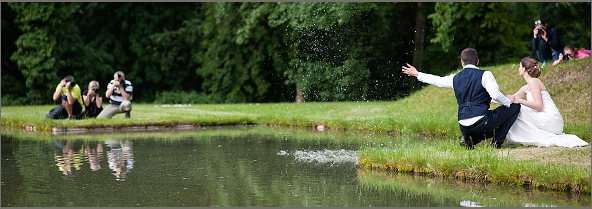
570	52
119	92
69	92
546	42
93	101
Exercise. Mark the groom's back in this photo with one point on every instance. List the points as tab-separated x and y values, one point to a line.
472	98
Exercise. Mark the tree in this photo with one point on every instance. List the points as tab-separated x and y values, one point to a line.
243	57
326	35
496	30
132	37
45	27
93	40
570	19
12	78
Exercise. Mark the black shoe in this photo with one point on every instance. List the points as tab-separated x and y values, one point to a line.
71	118
464	143
127	115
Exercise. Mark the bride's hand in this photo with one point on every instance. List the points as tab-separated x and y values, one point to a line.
518	100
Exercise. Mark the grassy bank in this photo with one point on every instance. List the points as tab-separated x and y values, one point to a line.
558	169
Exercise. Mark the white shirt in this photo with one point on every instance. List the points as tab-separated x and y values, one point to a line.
116	98
488	82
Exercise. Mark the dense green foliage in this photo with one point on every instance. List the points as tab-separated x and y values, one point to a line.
229	52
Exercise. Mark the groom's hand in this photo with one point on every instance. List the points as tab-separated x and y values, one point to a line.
511	97
410	70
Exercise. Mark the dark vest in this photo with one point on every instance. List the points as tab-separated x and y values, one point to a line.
471	97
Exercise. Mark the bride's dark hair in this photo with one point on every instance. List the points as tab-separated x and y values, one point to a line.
531	66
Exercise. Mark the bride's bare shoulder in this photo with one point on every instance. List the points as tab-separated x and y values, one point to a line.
539	83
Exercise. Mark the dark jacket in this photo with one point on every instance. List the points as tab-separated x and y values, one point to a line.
552	40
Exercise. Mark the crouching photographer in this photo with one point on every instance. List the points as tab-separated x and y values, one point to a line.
93	101
69	92
119	92
546	42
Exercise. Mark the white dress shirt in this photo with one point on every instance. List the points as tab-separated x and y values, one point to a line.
488	82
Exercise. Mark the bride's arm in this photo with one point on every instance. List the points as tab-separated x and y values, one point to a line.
521	93
535	90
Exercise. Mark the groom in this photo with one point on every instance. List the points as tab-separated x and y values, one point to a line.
474	89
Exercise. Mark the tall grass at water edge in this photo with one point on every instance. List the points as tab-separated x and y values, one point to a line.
431	110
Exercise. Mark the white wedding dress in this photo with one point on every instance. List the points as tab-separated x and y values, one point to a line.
541	129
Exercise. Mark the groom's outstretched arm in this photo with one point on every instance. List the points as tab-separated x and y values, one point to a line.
444	82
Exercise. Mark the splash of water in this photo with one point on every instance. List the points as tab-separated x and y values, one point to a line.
324	156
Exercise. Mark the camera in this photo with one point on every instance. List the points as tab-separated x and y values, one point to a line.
72	83
566	57
121	81
96	90
540	31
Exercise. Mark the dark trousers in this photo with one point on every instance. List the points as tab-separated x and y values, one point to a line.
76	109
544	51
496	124
90	112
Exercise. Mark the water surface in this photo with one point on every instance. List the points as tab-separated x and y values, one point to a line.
227	167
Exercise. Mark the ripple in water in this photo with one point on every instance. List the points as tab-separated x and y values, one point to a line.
324	156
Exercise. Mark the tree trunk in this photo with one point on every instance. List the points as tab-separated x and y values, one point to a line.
420	22
299	97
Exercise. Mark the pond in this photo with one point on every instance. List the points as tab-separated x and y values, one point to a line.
231	167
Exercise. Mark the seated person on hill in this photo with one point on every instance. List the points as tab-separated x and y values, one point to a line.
69	92
93	101
546	42
570	52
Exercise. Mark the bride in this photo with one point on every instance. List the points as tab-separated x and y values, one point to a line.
539	122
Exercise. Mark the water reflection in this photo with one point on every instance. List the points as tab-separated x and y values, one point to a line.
94	155
467	194
121	157
69	158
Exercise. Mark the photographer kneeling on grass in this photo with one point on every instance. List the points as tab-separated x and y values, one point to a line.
119	101
93	101
69	92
